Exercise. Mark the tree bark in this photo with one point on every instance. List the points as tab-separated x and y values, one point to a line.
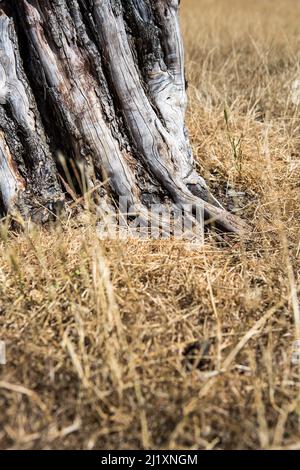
102	83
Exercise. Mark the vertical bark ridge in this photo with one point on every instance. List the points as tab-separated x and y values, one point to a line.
160	152
74	90
158	148
159	43
28	175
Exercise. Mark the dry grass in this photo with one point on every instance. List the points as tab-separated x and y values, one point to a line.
149	344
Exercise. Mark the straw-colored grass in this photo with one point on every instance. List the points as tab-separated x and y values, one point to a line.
149	344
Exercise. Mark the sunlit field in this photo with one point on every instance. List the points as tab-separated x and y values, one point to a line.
151	344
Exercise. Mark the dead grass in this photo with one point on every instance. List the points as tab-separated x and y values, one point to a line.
152	345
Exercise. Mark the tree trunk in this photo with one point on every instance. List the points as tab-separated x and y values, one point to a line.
101	83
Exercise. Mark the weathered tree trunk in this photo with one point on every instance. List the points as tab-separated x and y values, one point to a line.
102	83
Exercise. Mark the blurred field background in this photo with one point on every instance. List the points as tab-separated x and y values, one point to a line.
117	345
